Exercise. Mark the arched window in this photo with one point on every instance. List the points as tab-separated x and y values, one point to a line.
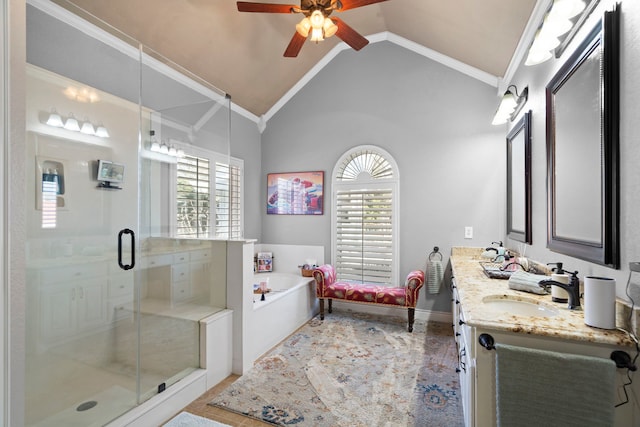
364	216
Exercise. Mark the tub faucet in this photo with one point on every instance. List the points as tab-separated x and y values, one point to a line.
572	288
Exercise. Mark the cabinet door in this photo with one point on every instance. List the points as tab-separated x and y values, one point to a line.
201	280
92	303
57	311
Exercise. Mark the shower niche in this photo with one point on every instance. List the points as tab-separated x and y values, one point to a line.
50	191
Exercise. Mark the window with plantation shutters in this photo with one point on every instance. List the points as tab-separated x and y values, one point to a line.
193	197
228	207
364	217
209	195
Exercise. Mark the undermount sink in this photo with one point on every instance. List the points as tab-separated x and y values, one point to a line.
518	306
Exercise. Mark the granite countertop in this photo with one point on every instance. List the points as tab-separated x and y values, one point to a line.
473	285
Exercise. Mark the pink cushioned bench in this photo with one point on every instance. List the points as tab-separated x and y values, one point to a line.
401	296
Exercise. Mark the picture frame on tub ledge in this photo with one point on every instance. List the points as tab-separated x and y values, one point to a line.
295	193
264	262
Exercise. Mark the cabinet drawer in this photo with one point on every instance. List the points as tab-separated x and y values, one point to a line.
121	285
181	291
201	255
119	309
156	260
73	272
180	272
180	257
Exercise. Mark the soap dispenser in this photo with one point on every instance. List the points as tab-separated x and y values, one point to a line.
559	275
501	252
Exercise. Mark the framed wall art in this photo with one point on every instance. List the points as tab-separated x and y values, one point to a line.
295	193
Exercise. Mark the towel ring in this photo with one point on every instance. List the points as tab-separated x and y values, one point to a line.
435	252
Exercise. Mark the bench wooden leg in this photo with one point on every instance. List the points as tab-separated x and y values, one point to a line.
412	317
330	307
321	308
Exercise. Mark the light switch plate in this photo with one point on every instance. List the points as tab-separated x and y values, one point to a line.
468	232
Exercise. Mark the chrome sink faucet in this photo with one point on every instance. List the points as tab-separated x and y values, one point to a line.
572	288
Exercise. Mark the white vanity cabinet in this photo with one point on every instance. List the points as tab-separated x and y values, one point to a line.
466	364
72	300
179	276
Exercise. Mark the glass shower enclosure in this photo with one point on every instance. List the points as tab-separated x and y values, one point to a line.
114	291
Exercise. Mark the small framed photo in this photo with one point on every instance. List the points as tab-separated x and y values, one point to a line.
295	193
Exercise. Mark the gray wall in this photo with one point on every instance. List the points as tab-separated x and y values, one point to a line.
536	78
434	121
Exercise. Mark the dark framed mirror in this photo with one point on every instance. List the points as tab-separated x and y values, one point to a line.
582	149
519	180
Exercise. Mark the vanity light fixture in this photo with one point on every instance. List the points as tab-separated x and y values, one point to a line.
55	120
102	132
510	105
557	22
72	124
87	128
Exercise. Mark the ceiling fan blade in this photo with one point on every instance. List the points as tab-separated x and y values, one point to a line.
349	35
294	45
245	6
352	4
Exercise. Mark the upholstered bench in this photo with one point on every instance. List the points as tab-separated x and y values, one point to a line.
401	296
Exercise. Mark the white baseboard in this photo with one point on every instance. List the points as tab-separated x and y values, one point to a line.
424	315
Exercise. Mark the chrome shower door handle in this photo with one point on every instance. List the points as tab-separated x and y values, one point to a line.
133	249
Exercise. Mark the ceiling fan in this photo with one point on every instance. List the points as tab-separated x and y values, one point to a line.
317	21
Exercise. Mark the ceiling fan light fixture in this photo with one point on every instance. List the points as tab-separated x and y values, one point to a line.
316	35
329	28
303	27
316	19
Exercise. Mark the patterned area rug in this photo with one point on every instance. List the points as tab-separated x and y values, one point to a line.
354	370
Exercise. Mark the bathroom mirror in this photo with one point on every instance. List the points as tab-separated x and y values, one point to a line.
582	149
519	180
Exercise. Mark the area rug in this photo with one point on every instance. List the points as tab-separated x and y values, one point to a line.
353	370
185	419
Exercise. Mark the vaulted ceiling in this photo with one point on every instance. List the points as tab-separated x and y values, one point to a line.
242	53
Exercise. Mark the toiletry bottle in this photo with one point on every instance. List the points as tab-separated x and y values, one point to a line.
557	293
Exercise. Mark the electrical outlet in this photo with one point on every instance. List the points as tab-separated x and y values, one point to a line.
468	232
